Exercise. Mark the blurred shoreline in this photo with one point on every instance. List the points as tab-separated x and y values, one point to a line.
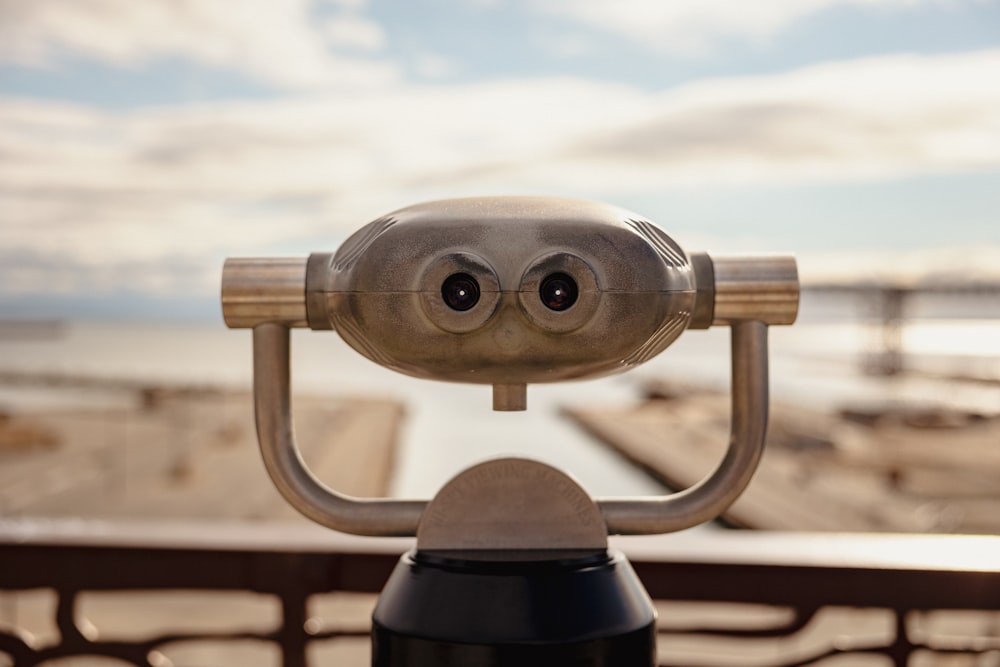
952	366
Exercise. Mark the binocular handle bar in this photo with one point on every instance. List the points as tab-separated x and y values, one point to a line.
392	517
302	490
715	493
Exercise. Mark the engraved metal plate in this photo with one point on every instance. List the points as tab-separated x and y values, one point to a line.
512	503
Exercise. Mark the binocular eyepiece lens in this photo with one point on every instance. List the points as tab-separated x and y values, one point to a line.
558	291
460	291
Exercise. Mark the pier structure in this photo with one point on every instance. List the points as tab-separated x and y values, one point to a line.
888	305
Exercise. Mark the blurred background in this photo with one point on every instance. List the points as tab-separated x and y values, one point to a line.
141	143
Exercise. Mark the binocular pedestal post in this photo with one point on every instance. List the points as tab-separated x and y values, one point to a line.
512	569
583	611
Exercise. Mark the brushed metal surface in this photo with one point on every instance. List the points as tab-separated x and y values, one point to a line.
264	289
383	290
511	503
764	288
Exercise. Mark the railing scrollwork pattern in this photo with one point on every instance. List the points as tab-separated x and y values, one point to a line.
805	575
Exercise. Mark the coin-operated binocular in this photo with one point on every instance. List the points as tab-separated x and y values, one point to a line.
511	565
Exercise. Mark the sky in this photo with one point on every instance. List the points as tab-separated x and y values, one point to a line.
143	141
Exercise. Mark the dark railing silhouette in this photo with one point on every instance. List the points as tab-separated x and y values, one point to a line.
791	579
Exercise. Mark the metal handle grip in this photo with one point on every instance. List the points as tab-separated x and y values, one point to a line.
256	290
763	288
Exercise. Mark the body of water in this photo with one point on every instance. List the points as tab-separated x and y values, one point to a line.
448	427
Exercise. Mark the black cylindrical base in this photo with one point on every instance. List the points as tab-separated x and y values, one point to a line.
581	611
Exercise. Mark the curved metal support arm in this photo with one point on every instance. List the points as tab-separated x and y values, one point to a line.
272	406
713	495
386	517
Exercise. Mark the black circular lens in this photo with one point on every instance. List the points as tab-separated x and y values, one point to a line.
558	291
460	291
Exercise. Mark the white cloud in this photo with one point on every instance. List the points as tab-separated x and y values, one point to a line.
878	117
434	66
89	188
356	32
695	27
346	4
274	42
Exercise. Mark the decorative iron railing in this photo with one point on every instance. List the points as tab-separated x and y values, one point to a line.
725	597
